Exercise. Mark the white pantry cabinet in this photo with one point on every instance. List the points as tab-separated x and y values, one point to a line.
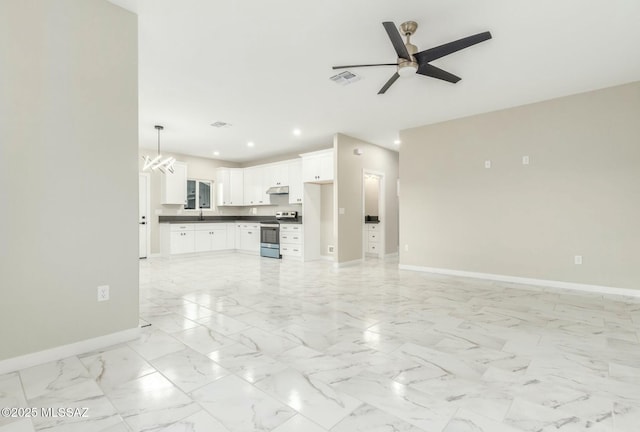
317	167
173	186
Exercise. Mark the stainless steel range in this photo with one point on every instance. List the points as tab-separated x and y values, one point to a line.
270	239
270	234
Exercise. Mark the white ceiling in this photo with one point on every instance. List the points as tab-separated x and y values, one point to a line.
264	66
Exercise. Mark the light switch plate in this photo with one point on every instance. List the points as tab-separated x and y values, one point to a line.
525	160
341	210
487	164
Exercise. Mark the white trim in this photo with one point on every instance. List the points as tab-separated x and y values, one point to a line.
391	255
347	263
147	177
527	281
64	351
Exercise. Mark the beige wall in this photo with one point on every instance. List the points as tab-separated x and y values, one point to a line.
326	219
349	195
580	195
68	176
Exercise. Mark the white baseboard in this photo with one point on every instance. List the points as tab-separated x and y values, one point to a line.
60	352
347	263
527	281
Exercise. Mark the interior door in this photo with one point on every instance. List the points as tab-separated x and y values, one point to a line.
143	215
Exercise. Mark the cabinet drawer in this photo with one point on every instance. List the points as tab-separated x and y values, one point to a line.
372	247
290	250
291	228
373	236
290	237
209	226
181	227
249	226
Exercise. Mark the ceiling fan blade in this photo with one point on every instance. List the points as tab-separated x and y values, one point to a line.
396	40
367	65
431	54
389	83
434	72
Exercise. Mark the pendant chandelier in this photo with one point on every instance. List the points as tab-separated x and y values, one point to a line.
157	163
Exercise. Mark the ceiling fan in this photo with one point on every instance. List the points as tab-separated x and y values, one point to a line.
411	61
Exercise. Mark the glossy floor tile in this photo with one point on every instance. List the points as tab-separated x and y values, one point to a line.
243	343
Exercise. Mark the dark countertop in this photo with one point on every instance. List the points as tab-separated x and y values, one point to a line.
223	219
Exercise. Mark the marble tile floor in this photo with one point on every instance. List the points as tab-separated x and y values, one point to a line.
239	343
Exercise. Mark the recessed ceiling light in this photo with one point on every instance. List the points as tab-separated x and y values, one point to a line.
216	153
250	144
397	142
297	132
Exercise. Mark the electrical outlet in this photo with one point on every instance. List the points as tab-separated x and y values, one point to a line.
330	249
487	164
103	293
525	160
577	259
406	248
341	210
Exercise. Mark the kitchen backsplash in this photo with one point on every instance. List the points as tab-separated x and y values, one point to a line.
279	203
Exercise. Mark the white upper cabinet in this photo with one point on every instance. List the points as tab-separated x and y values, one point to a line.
295	181
173	188
229	187
255	192
276	175
236	179
317	167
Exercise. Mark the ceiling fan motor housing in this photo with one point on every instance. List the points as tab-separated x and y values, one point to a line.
406	67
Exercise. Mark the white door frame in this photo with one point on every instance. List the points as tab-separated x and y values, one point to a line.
147	230
381	210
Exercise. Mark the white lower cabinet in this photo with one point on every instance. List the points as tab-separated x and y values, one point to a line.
182	239
210	237
291	240
372	239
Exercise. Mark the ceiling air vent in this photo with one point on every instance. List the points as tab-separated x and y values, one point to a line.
344	78
220	124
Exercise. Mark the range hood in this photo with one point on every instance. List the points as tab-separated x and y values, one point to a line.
278	190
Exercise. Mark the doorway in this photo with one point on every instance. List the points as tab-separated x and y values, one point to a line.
373	217
144	188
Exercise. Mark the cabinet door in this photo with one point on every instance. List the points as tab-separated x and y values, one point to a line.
236	186
218	239
203	241
262	197
326	167
231	236
250	240
182	242
223	187
173	187
310	169
249	188
295	182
